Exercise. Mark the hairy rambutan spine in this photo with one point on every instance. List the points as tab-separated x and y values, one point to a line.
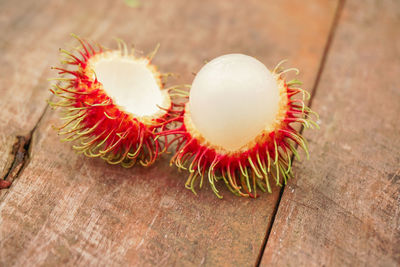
269	158
92	119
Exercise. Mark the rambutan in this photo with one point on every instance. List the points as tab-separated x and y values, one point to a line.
238	126
114	104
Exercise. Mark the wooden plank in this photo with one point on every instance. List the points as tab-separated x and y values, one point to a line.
344	207
28	47
65	208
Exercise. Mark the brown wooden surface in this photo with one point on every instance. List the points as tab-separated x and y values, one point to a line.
342	208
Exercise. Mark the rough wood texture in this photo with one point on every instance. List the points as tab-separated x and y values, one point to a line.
31	33
344	207
65	208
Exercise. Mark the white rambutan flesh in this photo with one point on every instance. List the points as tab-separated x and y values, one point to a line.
130	83
233	99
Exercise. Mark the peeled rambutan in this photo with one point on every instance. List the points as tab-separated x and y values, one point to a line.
114	104
238	126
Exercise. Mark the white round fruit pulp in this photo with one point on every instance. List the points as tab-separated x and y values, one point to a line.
232	99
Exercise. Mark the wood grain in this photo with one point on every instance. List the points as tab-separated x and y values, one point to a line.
31	33
344	207
65	208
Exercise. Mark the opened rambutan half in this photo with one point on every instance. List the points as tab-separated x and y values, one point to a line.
113	104
238	126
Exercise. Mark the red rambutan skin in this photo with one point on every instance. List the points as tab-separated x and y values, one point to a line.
102	127
245	170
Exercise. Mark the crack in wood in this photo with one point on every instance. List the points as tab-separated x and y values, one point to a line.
21	154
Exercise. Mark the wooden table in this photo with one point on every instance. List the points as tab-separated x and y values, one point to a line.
342	208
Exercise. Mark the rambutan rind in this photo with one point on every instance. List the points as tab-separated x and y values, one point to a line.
93	119
268	156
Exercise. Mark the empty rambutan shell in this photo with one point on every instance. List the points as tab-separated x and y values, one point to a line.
238	126
114	104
